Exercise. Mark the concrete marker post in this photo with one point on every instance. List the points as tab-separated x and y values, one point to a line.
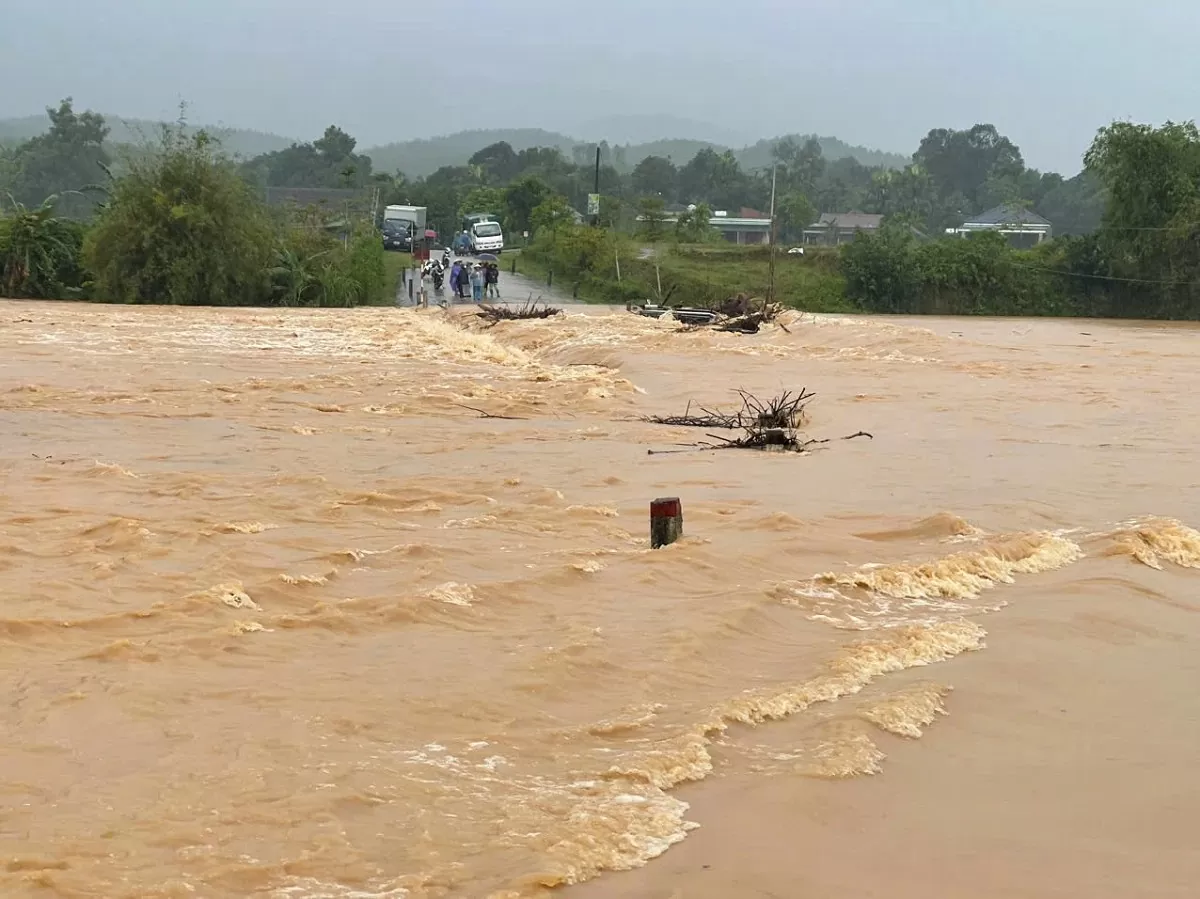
666	521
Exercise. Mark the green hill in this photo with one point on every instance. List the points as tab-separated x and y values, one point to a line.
759	155
418	158
679	151
239	142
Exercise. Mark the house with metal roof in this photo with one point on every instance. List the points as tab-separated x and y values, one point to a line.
1023	227
834	228
748	227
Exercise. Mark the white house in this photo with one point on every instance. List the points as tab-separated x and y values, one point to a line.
1023	227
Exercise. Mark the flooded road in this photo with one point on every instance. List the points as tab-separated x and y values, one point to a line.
285	612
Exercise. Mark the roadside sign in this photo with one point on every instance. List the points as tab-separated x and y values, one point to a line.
593	204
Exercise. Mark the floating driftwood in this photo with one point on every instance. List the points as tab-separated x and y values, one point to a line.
529	310
483	413
771	425
785	411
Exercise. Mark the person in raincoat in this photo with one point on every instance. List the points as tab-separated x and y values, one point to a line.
477	281
455	273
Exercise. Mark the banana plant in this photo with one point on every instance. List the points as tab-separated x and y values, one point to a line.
35	249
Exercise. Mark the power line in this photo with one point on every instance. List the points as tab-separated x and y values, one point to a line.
1062	271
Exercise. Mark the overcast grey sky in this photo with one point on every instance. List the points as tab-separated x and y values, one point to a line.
875	72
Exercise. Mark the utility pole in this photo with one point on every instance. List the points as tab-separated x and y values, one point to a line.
771	263
596	222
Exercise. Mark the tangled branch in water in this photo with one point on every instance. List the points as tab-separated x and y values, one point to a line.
529	310
785	411
766	425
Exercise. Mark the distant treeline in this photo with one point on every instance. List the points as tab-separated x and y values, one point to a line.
951	176
1128	226
180	223
419	158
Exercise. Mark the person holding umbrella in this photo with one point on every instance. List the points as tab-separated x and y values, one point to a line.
491	274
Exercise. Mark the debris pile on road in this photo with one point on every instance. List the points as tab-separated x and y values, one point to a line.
739	314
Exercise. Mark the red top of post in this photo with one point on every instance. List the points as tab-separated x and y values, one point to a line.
668	507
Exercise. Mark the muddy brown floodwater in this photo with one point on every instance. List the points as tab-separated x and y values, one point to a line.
280	617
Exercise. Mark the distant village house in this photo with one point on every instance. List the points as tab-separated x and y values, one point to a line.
835	228
1023	227
749	226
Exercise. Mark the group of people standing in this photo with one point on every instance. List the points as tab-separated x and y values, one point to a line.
482	279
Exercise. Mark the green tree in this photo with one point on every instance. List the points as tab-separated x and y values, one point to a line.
793	213
656	176
1073	206
695	225
522	197
611	209
484	199
843	186
552	214
800	166
652	219
908	192
329	162
714	178
881	271
66	159
182	227
498	161
1151	226
962	162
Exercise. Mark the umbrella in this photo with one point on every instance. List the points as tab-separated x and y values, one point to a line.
432	235
487	257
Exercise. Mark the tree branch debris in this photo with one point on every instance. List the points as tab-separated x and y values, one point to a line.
785	411
483	413
771	425
738	315
529	310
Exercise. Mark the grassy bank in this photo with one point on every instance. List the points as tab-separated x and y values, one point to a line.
697	275
393	264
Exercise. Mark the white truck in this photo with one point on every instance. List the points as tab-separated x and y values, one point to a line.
414	215
486	237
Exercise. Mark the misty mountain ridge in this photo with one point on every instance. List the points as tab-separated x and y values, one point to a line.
421	157
648	129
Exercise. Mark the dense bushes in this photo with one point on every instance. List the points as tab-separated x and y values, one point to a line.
895	272
183	227
40	254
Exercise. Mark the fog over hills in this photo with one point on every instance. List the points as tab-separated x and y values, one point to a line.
421	157
877	74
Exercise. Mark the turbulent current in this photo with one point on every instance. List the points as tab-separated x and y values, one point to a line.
361	604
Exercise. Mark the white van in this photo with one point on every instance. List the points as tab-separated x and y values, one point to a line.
487	237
